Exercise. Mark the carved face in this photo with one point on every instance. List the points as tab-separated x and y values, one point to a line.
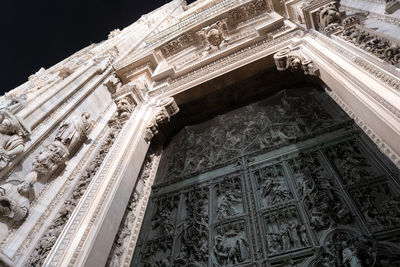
123	105
24	188
214	37
6	126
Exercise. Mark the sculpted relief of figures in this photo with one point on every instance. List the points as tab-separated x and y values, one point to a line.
352	165
231	245
16	198
284	231
193	230
272	186
347	248
257	127
13	134
229	198
319	193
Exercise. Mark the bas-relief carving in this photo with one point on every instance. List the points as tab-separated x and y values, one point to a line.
68	135
17	195
348	248
215	35
302	198
256	128
319	193
14	132
13	103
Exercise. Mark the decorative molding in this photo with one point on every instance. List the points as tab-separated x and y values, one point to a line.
374	137
348	56
222	63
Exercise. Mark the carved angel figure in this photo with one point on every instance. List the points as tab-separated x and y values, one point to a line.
74	130
13	134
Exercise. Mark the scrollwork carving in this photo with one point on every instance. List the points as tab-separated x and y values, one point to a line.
289	60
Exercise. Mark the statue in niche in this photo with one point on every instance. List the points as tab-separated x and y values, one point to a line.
73	131
230	246
13	135
15	199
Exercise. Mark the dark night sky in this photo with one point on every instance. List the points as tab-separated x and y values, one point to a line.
40	33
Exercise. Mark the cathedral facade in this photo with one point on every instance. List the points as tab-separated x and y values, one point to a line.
220	133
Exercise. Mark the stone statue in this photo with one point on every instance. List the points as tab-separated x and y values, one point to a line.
13	135
15	199
74	130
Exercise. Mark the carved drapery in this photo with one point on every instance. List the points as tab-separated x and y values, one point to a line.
287	194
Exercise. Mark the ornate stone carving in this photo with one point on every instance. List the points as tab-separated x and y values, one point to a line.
113	33
181	42
13	134
328	15
13	103
319	193
50	236
289	60
379	46
247	11
215	35
261	129
15	199
166	108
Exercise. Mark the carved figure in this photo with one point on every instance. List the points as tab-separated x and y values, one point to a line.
329	14
228	202
74	130
50	158
13	135
230	247
124	108
15	199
